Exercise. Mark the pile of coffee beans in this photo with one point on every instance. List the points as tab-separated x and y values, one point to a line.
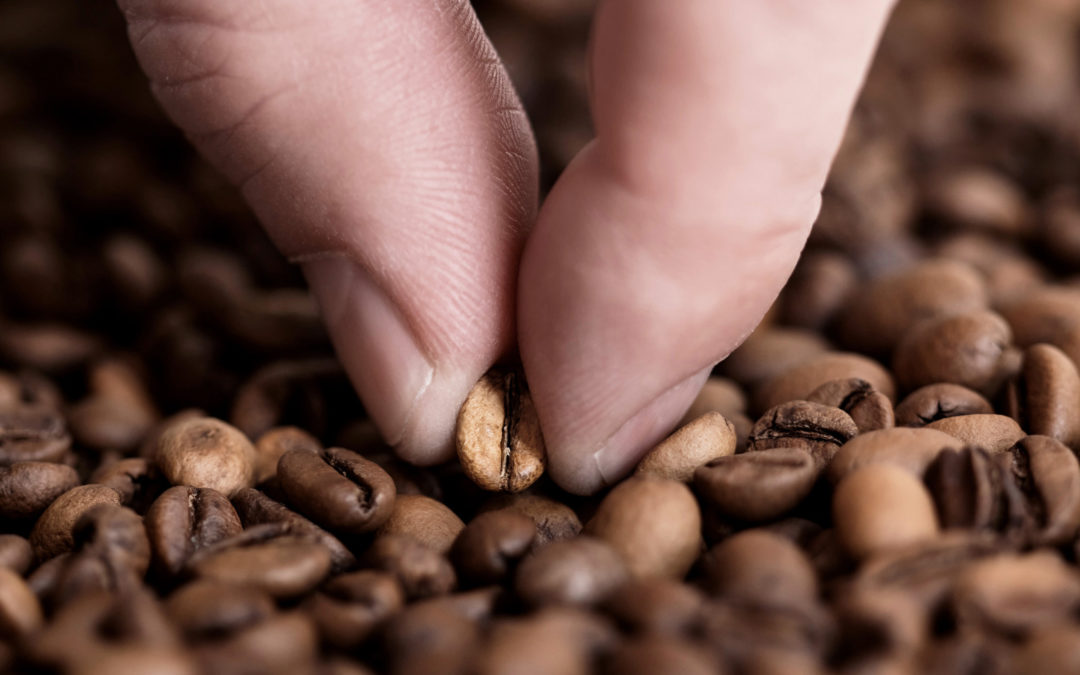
882	479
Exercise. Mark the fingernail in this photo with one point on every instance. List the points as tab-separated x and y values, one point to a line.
380	352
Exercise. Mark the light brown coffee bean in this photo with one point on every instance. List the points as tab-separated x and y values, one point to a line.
656	605
207	453
654	524
912	449
184	520
757	486
798	382
938	401
276	442
580	571
967	349
761	568
554	520
818	429
996	433
27	488
421	571
337	488
869	409
351	607
770	351
1044	398
51	535
498	434
20	611
697	443
489	546
283	566
426	520
881	507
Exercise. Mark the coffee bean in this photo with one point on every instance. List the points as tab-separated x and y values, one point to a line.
351	607
498	435
696	443
275	443
1054	649
118	413
488	547
656	605
261	402
867	407
938	401
421	571
800	381
1045	397
757	486
206	608
283	566
760	568
141	659
284	643
1048	476
255	508
881	506
15	553
820	286
967	349
338	489
718	394
27	488
20	612
756	638
424	519
968	488
875	624
553	640
817	428
430	637
207	453
769	351
996	433
184	520
32	434
1048	314
553	520
653	523
912	449
580	571
656	654
51	535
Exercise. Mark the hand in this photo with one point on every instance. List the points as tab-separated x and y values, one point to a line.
382	146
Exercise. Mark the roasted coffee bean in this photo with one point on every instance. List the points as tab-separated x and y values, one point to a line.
996	433
206	608
878	314
969	489
1016	594
275	443
498	435
769	351
694	444
656	654
881	507
118	413
255	508
867	407
1047	314
485	551
1045	397
579	571
974	197
757	486
428	521
818	289
112	554
262	401
20	612
149	446
819	429
912	449
30	433
760	568
351	607
552	640
755	638
284	643
421	571
15	553
134	478
718	394
338	489
800	381
653	523
938	401
51	535
206	453
27	488
1048	476
430	637
656	605
878	623
184	520
553	520
969	349
283	566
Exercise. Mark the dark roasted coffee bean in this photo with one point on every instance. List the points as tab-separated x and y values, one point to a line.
134	478
498	435
426	520
868	408
1044	398
207	609
579	571
112	554
20	611
938	401
184	520
996	433
275	443
338	489
351	607
32	434
692	445
262	401
283	566
27	488
1048	476
968	489
205	452
760	568
912	449
798	382
969	349
51	535
656	654
255	508
554	520
489	546
653	523
819	429
757	486
421	571
15	553
881	507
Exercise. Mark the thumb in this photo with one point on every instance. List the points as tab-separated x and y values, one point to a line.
668	237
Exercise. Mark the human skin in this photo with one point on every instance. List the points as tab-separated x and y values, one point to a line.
384	150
